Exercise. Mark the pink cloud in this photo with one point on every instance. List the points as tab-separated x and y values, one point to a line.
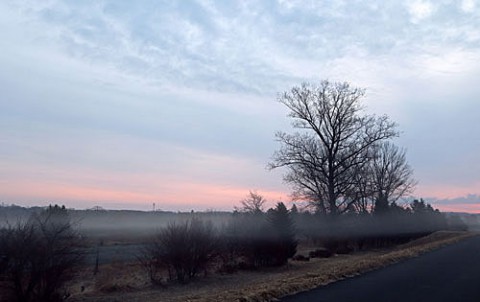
84	188
446	191
459	207
171	196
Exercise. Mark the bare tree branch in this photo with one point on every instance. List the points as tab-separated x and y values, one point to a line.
335	143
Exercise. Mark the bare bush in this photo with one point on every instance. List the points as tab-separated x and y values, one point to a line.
38	257
183	250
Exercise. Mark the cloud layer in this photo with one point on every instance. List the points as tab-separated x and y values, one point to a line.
144	98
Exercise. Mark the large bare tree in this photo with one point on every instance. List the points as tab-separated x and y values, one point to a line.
334	142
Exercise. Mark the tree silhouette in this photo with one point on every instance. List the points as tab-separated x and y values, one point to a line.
335	142
283	231
38	257
254	203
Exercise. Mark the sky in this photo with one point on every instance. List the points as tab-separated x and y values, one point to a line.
123	104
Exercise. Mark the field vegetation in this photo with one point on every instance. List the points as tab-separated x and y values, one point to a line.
41	257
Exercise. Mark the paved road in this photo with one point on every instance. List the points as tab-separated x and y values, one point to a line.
449	274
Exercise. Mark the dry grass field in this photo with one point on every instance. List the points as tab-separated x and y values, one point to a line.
128	282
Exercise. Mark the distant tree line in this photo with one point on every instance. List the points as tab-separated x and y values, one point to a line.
359	231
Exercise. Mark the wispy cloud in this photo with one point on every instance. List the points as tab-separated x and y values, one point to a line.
468	6
420	10
180	84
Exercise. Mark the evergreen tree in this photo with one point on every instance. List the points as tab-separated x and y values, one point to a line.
283	230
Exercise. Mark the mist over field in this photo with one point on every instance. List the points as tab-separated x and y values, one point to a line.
127	225
167	248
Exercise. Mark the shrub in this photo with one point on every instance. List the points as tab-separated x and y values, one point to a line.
39	256
259	240
182	249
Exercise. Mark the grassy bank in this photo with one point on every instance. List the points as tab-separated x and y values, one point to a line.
126	282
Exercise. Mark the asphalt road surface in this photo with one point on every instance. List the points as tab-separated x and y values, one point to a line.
449	274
